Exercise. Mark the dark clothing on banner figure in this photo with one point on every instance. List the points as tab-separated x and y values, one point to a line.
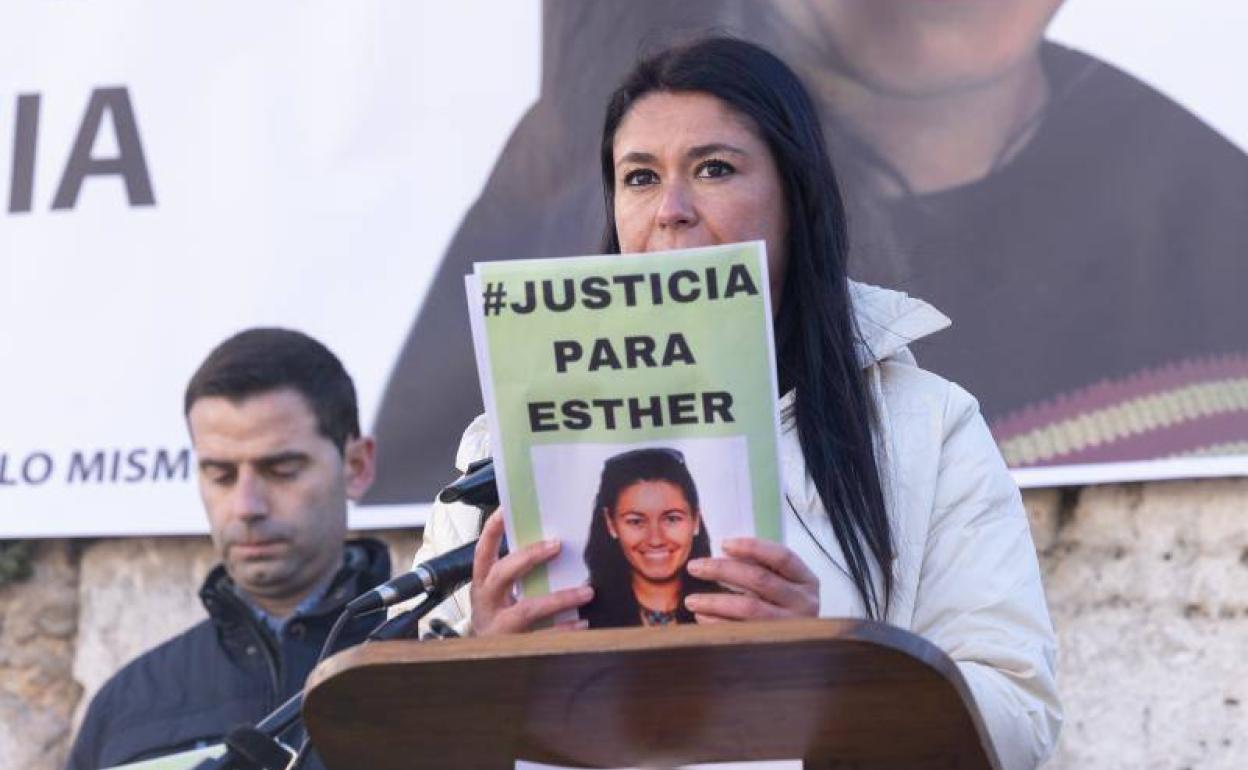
1106	264
1096	266
225	671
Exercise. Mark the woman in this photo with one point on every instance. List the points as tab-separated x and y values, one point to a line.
898	505
645	528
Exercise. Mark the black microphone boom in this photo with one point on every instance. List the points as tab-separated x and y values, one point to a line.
476	487
441	574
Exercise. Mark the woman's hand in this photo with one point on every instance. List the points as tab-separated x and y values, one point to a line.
495	609
772	580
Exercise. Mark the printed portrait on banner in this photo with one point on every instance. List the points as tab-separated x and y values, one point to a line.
1082	230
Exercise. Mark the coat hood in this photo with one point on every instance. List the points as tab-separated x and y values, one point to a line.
890	320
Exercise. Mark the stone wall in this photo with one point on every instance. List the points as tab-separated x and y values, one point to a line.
1147	583
38	631
1148	586
89	607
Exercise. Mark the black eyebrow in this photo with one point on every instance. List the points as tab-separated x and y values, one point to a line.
636	156
700	151
715	148
268	461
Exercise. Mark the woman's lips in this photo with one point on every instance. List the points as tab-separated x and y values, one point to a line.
663	555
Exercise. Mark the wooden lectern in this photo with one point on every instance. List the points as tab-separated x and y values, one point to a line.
835	693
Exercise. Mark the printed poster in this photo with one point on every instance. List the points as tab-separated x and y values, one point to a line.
633	414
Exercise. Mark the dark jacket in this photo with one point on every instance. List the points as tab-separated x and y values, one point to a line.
225	671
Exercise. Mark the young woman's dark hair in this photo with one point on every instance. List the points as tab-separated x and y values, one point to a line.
614	603
815	330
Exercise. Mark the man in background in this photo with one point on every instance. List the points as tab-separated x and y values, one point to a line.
273	420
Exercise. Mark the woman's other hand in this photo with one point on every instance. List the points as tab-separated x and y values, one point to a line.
772	581
495	609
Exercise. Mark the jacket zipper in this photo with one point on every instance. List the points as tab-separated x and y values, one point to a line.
270	657
262	640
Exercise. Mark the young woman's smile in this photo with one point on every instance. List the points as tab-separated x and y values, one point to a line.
655	527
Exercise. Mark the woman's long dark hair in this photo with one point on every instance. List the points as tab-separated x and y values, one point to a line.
815	329
614	603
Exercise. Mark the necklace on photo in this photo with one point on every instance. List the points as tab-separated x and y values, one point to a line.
651	617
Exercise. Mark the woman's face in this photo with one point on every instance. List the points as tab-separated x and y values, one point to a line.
691	171
655	527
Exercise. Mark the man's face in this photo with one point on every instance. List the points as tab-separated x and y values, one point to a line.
276	492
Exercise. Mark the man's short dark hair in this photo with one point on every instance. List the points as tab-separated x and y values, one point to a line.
259	361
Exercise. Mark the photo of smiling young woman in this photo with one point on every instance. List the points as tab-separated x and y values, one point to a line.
646	526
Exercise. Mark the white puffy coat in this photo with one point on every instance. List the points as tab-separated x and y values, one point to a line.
966	573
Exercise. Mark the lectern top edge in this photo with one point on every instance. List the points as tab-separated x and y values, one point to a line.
638	639
857	690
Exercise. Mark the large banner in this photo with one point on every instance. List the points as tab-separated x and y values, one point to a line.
173	173
1066	182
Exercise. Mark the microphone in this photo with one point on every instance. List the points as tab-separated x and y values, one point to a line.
476	487
442	574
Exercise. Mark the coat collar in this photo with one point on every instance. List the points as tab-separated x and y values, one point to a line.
366	563
887	322
890	320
